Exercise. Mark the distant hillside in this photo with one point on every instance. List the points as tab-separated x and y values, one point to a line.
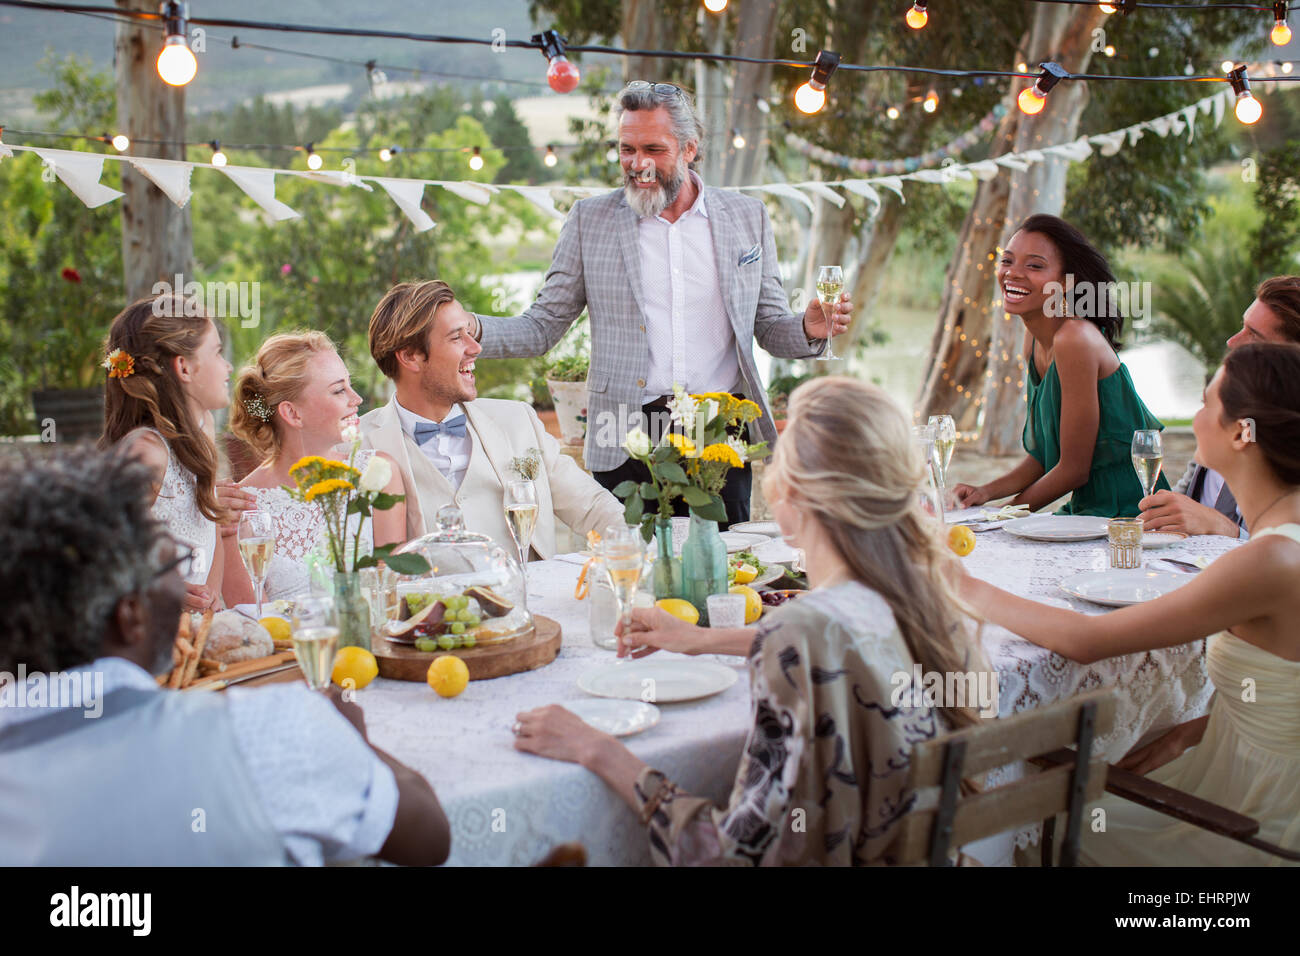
228	76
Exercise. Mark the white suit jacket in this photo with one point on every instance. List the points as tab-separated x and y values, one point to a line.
500	430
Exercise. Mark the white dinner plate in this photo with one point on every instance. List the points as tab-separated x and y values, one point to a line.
769	574
1162	539
658	681
1057	527
1115	588
774	551
739	541
768	529
622	718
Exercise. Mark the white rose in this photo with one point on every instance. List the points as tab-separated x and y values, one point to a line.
637	443
350	434
377	475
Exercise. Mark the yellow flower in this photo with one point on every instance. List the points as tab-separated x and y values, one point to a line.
327	487
749	411
683	444
721	452
307	462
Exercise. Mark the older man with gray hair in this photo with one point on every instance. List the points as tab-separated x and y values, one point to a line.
679	279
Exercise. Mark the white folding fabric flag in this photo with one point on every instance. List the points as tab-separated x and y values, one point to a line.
1134	134
539	197
1160	124
1189	117
1012	161
821	189
927	176
864	188
80	172
1110	143
1221	104
259	186
407	194
1075	151
787	191
5	151
956	173
893	183
1206	104
334	177
985	169
172	177
479	193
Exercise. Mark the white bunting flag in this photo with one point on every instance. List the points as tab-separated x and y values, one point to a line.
539	197
173	178
892	183
259	186
824	191
408	194
785	191
985	169
80	172
478	193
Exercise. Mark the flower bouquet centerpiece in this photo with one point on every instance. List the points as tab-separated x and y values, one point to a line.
690	462
342	490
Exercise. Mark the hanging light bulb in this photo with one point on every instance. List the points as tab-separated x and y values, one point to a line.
811	97
1022	67
1286	66
917	17
218	157
1107	8
1247	109
176	64
385	155
931	102
1227	66
313	158
715	6
892	112
1032	100
550	159
1281	33
476	160
562	75
1109	51
611	154
1188	69
121	143
737	140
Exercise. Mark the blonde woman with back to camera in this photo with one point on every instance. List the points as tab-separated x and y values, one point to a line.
828	738
294	400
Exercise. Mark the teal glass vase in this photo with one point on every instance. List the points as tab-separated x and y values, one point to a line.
704	565
351	610
668	568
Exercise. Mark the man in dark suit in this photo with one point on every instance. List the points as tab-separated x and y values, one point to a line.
1201	503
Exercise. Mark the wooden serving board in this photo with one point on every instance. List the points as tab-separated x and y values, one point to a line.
525	653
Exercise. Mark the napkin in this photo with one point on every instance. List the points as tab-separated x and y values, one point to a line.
579	558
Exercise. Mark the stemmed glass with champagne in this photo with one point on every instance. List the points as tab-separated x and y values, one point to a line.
521	515
928	495
315	635
945	439
256	537
623	554
1148	458
830	285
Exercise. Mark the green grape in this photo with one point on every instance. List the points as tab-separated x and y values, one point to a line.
474	620
426	644
468	641
447	642
458	628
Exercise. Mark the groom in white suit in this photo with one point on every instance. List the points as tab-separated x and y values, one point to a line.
455	448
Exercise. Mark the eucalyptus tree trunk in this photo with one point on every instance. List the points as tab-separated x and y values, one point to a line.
641	31
157	243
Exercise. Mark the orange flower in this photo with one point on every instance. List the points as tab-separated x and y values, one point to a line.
119	364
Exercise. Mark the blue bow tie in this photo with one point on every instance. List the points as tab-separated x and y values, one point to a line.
426	430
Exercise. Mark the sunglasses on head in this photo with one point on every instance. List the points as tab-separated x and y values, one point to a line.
660	89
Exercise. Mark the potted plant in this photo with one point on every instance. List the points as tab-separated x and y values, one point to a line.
778	395
566	380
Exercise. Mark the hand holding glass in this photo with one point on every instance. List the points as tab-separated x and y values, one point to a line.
622	551
1148	458
830	286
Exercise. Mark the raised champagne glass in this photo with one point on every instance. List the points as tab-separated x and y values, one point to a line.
830	286
315	634
521	515
1148	458
945	439
623	555
256	538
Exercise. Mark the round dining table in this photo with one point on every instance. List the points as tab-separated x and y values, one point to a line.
509	808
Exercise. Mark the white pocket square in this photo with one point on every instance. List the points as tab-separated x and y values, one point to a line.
752	255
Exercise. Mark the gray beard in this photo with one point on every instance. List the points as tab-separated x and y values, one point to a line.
650	203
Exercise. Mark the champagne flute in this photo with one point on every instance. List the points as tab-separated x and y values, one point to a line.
1148	458
945	440
256	537
623	556
928	494
315	635
521	515
830	284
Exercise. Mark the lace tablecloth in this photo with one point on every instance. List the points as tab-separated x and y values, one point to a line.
510	808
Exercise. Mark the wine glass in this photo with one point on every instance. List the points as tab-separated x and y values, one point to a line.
830	284
521	515
1148	458
315	634
945	440
928	494
256	537
622	553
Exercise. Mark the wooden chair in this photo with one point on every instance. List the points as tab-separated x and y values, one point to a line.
943	818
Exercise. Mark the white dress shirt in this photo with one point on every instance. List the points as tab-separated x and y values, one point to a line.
448	453
323	789
691	340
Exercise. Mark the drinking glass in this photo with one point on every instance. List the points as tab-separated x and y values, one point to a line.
521	515
315	634
1148	458
622	553
945	440
1125	538
830	285
256	538
928	494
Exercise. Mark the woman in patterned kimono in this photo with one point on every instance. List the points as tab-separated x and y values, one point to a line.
823	776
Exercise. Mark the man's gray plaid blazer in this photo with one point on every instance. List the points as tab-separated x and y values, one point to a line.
596	266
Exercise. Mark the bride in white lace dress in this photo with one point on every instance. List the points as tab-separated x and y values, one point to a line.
296	400
1245	753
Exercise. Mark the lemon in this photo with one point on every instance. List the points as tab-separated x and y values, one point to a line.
356	664
753	603
448	675
277	626
961	540
678	608
746	573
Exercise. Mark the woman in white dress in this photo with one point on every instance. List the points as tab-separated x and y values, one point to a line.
166	375
1245	753
296	400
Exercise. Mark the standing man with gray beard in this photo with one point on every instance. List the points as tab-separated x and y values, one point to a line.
679	279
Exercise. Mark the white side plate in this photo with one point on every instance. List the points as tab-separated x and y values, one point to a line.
622	718
768	529
1162	539
1116	588
739	541
659	682
1057	527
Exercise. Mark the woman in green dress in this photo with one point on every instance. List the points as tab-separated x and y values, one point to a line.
1083	408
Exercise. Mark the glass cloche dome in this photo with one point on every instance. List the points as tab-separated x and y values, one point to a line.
473	593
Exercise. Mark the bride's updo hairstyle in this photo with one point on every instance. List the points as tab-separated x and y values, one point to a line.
848	461
1261	383
279	374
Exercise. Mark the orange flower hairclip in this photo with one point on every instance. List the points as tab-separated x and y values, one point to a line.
119	364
